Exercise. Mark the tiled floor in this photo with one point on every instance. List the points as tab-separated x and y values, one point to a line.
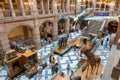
70	57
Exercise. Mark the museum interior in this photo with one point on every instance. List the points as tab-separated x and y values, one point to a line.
59	40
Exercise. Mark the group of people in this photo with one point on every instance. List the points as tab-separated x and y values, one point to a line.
54	65
46	41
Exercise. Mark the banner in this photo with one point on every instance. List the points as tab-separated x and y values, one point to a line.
101	14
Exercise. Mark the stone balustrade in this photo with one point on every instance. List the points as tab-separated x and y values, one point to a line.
9	14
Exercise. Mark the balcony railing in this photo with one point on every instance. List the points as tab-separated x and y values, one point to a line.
28	12
16	13
51	11
7	13
40	12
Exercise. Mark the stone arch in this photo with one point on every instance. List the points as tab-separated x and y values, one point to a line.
61	25
21	35
46	29
26	25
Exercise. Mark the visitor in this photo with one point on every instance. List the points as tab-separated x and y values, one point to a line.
74	47
49	40
56	67
105	43
68	69
62	31
44	44
53	65
52	51
102	41
53	60
40	72
50	58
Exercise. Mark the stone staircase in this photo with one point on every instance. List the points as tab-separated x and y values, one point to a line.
94	27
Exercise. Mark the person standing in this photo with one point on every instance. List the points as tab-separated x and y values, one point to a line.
56	67
50	59
68	69
40	72
105	43
44	44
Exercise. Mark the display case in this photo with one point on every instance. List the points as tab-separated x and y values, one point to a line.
30	60
14	66
10	54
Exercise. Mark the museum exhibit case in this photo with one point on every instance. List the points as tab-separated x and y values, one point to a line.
16	64
30	61
13	63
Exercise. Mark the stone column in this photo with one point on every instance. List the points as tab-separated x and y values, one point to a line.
4	41
88	4
54	6
55	29
11	8
117	33
68	6
22	7
33	7
62	5
1	14
48	6
67	25
94	4
36	35
42	6
78	5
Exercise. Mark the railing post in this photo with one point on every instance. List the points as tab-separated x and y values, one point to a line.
1	14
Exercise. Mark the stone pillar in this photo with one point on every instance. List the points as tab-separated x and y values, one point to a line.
11	8
68	6
4	41
33	7
54	6
55	29
48	6
94	4
117	33
78	5
36	35
88	4
1	14
67	25
62	5
42	6
22	7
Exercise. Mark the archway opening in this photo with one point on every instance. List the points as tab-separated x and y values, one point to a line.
112	26
21	38
61	26
46	31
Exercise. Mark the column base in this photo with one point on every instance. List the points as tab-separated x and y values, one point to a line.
55	37
37	46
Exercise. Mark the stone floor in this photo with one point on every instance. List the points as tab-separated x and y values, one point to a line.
71	57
